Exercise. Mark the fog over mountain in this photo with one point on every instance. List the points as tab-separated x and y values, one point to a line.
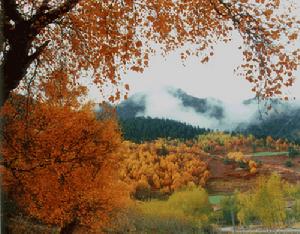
282	122
176	104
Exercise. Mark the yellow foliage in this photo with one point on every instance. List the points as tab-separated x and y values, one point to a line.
188	204
266	201
236	156
164	173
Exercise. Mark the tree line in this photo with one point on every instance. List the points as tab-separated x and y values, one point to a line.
142	129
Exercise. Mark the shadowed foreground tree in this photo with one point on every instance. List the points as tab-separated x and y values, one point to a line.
58	159
107	37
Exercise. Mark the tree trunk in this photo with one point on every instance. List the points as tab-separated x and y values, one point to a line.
233	221
69	227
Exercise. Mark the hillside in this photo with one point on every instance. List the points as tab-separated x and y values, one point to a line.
142	129
281	125
281	122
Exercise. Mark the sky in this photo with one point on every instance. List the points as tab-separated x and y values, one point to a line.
214	79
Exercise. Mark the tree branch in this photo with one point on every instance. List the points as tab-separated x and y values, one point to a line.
37	53
43	18
44	7
10	10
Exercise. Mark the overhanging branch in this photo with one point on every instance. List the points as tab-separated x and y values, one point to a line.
45	16
37	53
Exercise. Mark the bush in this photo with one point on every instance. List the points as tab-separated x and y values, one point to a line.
167	223
258	162
265	203
192	201
243	165
159	217
292	152
142	192
288	163
163	151
208	148
186	211
227	161
229	207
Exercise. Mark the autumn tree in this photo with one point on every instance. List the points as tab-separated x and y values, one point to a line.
58	161
154	174
243	161
266	202
103	38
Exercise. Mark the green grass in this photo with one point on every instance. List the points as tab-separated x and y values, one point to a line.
261	154
215	199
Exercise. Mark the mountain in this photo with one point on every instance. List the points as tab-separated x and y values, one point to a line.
249	117
210	106
283	124
136	105
132	107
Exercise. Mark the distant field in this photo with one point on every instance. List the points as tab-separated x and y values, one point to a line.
261	154
215	199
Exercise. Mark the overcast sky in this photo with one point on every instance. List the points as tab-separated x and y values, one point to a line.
213	79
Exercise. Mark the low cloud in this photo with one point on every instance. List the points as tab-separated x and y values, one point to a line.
161	103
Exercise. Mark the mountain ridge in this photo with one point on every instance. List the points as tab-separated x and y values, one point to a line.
136	105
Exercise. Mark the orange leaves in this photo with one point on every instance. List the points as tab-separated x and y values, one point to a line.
62	160
150	18
293	36
275	34
137	69
139	44
240	158
162	25
268	13
110	36
271	50
205	59
129	2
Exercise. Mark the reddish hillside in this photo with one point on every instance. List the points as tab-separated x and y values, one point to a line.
226	178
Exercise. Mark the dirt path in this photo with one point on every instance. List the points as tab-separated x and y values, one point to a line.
259	230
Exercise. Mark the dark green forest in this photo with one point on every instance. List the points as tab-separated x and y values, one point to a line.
140	129
284	125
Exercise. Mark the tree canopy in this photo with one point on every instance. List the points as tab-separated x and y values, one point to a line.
58	161
103	38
